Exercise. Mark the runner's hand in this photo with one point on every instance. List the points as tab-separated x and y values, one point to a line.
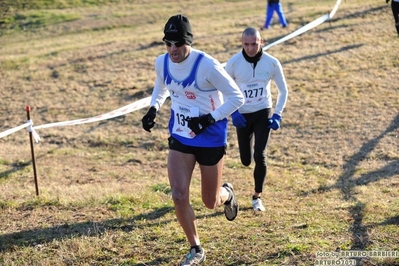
148	119
239	120
274	122
199	124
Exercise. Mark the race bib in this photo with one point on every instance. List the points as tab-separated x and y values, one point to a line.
253	92
180	125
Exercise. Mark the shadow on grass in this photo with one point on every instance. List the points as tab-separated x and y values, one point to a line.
330	28
345	48
390	221
346	183
20	166
68	231
15	168
363	13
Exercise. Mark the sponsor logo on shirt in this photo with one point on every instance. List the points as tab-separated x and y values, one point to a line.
184	110
212	103
190	95
173	93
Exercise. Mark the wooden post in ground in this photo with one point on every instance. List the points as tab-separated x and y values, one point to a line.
32	152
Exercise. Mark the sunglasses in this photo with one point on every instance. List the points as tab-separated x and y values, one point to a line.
176	43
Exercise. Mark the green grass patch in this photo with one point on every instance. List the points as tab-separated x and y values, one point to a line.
39	18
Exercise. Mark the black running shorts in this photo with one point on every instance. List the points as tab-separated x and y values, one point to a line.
204	156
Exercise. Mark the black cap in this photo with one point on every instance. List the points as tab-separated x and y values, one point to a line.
178	28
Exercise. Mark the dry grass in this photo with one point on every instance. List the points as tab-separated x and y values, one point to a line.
104	196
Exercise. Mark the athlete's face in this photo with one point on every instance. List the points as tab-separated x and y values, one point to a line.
178	51
251	44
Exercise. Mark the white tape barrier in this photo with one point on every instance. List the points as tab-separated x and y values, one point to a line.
118	112
32	130
335	9
28	124
15	129
307	27
146	101
299	31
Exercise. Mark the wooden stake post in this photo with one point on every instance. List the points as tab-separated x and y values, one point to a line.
32	152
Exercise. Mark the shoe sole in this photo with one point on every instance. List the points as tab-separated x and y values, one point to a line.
234	201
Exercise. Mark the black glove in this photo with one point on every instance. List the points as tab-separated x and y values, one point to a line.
199	124
148	119
387	1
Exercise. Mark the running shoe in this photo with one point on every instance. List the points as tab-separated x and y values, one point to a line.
193	258
230	207
257	205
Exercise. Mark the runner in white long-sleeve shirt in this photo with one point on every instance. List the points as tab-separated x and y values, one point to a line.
253	69
196	84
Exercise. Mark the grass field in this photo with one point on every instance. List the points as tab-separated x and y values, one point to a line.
333	167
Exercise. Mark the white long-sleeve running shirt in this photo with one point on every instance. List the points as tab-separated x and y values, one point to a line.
210	77
255	82
197	86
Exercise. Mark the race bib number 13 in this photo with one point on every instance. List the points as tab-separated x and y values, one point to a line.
181	113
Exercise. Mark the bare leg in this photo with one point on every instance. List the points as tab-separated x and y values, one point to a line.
213	194
180	169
